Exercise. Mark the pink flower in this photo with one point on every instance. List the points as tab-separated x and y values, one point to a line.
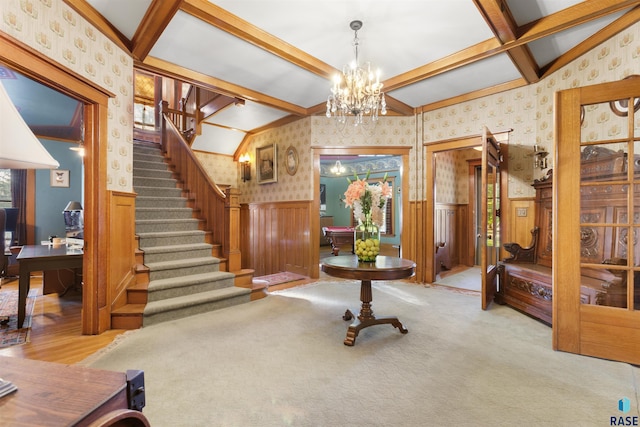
386	190
355	190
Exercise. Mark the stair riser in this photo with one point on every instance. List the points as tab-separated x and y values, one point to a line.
156	202
154	182
190	239
152	173
189	289
158	227
141	164
163	213
150	258
192	310
183	271
149	156
158	192
140	149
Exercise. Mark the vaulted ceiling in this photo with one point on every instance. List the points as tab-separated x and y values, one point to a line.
280	55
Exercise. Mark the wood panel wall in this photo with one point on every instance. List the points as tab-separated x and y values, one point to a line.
445	224
276	237
414	229
121	252
521	214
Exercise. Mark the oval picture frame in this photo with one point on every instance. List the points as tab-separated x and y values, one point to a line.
291	160
621	107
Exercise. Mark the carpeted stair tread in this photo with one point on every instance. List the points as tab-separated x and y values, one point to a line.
160	284
182	263
174	248
172	233
192	302
163	213
164	221
151	201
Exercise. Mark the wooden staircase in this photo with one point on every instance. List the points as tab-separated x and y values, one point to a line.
179	270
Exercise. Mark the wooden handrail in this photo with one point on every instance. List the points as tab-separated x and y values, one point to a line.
207	197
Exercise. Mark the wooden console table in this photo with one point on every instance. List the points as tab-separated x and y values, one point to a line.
385	268
41	258
54	394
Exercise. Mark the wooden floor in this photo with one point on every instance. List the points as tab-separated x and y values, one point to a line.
56	334
55	329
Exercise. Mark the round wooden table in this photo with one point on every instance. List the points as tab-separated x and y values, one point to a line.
385	268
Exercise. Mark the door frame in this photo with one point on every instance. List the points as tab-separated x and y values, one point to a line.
403	208
431	149
42	69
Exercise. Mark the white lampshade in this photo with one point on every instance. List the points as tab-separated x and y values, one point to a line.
19	147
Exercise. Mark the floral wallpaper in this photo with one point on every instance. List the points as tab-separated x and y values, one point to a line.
58	32
529	110
220	167
288	187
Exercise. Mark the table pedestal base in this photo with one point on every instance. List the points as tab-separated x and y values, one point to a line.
366	317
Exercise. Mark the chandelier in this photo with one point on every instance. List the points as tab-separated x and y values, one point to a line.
337	169
357	91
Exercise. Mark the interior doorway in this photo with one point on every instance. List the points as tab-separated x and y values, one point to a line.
457	218
94	100
327	157
463	206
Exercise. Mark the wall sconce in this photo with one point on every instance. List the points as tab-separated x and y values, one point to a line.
245	164
539	157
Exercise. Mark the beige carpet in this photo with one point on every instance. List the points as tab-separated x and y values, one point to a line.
281	361
461	277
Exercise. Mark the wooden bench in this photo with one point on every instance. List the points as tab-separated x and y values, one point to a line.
526	276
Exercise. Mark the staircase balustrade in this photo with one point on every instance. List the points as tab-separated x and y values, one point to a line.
207	197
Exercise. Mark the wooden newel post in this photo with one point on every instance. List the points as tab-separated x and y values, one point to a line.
232	229
164	108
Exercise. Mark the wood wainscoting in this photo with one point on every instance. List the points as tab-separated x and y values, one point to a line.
276	237
450	228
121	253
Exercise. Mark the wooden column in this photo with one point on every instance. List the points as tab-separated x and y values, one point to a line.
232	229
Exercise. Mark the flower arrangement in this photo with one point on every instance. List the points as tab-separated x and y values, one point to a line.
367	200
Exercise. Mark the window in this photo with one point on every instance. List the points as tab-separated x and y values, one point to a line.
5	188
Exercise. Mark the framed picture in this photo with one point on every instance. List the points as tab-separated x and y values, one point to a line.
59	178
291	160
267	164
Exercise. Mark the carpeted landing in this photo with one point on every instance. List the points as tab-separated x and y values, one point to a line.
281	361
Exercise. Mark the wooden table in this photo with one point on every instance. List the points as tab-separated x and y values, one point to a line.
54	394
385	268
41	258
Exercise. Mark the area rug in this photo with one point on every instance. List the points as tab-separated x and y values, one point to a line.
280	278
9	333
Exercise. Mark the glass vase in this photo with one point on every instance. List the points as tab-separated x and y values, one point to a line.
366	241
